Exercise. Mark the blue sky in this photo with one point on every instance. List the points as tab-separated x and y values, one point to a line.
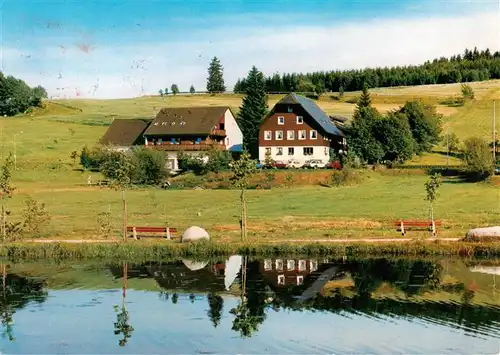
81	322
112	48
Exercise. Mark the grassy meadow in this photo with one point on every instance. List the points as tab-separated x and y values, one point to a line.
44	139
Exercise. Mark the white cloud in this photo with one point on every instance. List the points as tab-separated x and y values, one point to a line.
380	42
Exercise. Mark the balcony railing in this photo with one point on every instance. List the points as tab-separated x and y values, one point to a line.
218	132
186	146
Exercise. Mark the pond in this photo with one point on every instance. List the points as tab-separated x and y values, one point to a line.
245	305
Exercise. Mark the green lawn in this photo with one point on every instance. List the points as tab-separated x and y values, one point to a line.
367	209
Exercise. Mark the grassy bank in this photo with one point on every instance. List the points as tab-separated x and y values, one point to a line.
209	250
367	208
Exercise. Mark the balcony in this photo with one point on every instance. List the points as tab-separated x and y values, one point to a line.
167	146
218	132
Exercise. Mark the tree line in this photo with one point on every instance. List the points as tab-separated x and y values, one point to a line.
472	65
18	97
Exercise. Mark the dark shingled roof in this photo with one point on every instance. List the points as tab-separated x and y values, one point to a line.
314	111
125	132
186	120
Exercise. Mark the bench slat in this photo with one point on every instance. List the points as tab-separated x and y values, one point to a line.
151	229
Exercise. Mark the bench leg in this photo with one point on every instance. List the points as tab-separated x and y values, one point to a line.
433	228
402	229
168	233
134	231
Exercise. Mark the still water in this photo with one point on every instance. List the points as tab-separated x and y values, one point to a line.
241	305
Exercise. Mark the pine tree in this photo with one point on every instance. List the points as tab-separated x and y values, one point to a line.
215	80
192	90
365	99
361	133
253	111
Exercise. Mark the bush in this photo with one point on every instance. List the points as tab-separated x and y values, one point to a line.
478	158
91	159
190	163
467	92
217	161
346	176
149	167
34	217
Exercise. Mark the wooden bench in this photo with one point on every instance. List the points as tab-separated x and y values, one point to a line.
407	226
166	231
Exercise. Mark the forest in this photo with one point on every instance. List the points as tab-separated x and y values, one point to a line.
472	65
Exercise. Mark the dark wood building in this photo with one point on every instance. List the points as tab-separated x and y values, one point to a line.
296	128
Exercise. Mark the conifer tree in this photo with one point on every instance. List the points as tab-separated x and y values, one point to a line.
361	138
215	80
253	111
192	90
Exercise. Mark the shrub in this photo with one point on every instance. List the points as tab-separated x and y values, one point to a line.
104	222
478	158
346	176
467	92
34	217
190	163
149	167
91	159
217	161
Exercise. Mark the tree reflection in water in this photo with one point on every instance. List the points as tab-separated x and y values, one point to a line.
17	292
251	310
122	325
216	306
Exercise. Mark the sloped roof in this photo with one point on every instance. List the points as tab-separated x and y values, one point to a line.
314	111
125	132
186	120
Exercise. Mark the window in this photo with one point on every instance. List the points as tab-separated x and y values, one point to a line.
268	135
308	150
300	280
281	120
268	265
326	151
313	265
300	119
313	134
290	110
280	151
291	151
281	279
279	135
290	135
290	265
302	134
279	264
268	151
302	265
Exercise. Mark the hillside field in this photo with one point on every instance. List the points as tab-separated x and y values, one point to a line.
44	139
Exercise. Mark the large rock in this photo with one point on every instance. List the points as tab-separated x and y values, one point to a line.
483	234
194	234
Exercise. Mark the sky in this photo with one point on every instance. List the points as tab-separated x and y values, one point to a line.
120	49
82	322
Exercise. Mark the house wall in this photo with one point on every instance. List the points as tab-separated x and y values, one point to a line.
320	145
319	152
234	137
